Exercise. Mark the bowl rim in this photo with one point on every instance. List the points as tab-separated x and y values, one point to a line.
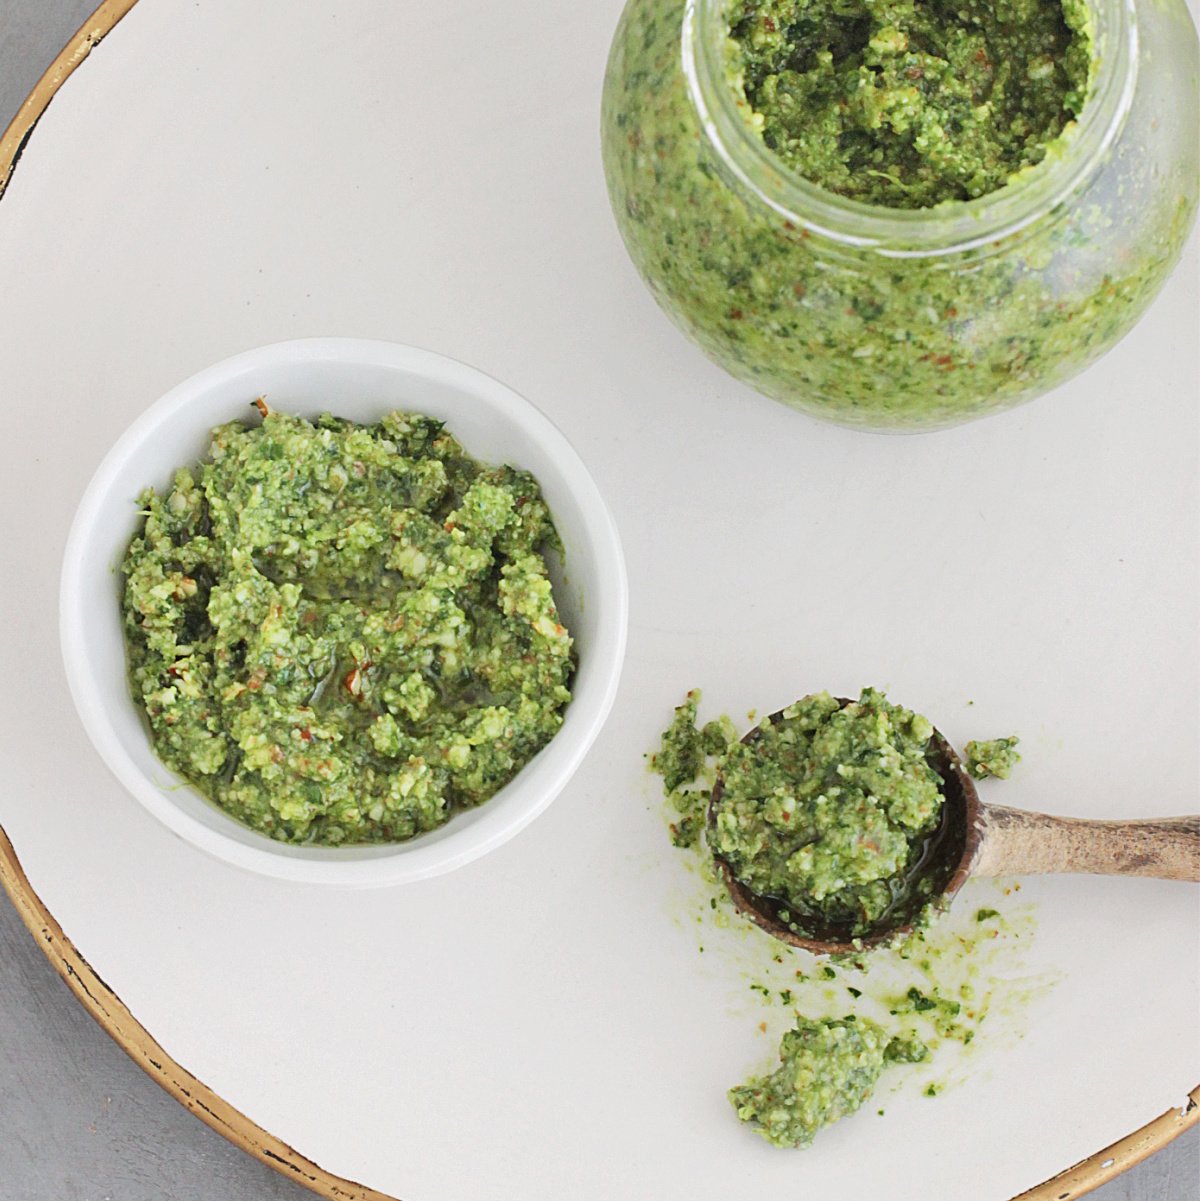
411	860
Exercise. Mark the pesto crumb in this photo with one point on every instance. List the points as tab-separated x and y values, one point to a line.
906	1050
683	760
681	753
691	806
718	735
995	758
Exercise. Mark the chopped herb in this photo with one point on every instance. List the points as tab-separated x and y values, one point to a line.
920	1002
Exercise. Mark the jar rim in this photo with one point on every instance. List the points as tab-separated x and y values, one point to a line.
951	227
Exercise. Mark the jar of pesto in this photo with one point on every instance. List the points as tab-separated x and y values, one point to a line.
921	293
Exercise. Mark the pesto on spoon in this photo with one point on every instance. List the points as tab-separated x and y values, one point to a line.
822	823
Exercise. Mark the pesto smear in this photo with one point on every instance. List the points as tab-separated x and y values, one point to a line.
852	1015
343	633
906	104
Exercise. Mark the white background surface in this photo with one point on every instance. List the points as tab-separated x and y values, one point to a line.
213	179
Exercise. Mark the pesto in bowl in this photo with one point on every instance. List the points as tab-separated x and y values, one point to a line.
344	633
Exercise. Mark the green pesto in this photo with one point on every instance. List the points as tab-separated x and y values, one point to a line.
942	984
828	1068
680	757
792	307
344	633
941	1011
995	758
684	756
905	104
828	807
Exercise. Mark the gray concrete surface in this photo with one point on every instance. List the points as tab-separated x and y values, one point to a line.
78	1121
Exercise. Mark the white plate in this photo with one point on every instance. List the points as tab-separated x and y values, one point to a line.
539	1024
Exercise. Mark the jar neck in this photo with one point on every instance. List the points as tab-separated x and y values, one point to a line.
952	227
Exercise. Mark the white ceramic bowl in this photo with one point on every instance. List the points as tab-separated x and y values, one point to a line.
359	380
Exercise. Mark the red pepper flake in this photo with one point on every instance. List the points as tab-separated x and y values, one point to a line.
945	361
736	314
951	313
800	290
353	678
769	24
788	225
305	734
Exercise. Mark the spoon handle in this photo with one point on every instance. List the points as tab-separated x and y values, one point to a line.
1018	843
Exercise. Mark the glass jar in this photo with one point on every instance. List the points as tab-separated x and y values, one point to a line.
889	318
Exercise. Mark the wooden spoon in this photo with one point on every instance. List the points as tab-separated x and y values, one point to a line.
974	839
